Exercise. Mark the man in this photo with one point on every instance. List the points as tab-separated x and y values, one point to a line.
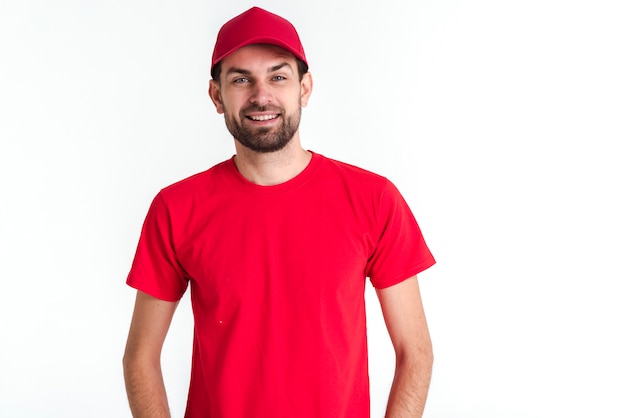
276	244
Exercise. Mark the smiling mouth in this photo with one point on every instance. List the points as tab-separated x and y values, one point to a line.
261	118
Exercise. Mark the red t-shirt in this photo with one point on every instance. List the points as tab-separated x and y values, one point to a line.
277	277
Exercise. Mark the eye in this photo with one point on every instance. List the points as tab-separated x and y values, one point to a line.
241	80
279	78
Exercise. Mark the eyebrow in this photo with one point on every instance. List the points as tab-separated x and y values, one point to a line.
235	70
279	66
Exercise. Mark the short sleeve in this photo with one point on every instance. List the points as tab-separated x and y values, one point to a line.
400	251
155	269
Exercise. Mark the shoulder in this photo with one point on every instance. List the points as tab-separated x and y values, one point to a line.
359	182
353	174
196	186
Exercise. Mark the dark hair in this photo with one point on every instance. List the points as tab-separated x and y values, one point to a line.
217	70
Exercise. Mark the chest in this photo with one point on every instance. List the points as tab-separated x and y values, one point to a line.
297	248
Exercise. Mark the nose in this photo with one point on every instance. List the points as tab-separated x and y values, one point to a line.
261	94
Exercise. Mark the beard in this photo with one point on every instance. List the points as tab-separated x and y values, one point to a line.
264	140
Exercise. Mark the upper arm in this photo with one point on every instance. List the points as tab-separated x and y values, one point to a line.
403	311
149	326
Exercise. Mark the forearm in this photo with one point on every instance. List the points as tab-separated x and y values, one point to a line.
145	390
409	390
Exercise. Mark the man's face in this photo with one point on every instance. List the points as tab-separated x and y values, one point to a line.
261	96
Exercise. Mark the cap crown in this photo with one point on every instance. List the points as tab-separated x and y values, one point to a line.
256	26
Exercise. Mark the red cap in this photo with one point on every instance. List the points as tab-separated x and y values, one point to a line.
256	26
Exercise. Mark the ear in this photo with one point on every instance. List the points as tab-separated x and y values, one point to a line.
306	86
216	96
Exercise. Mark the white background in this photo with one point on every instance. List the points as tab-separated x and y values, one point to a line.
502	122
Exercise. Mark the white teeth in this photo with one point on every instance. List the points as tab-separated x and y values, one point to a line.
263	117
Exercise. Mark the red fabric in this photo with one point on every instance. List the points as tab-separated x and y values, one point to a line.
277	277
256	26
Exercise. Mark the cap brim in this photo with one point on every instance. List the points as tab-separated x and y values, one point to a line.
262	40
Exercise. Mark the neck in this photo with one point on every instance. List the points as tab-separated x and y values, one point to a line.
268	169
